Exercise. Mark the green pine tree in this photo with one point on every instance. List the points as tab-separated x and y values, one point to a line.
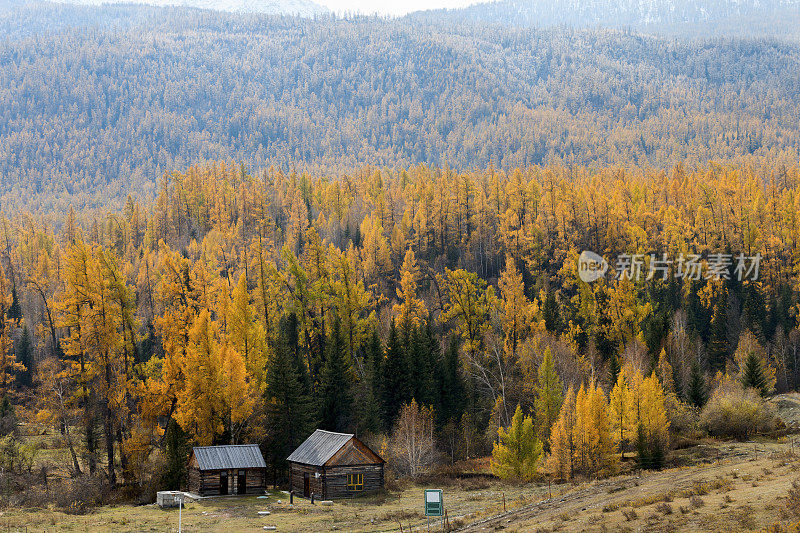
642	448
552	315
335	384
289	329
288	405
368	416
421	361
396	385
451	385
176	452
15	311
718	346
754	375
24	355
614	368
604	339
696	391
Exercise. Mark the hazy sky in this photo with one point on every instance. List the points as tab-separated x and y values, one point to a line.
391	7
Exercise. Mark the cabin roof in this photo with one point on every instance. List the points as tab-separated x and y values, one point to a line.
231	456
321	446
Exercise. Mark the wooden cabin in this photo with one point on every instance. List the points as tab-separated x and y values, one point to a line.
334	465
222	470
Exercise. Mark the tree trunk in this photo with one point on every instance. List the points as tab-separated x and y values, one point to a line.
109	434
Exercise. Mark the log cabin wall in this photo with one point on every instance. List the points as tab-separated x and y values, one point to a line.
297	474
207	482
332	481
336	480
322	464
256	480
207	464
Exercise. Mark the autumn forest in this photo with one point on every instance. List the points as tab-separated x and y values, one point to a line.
247	307
490	250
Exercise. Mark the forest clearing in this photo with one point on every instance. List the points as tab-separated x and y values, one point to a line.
706	487
711	493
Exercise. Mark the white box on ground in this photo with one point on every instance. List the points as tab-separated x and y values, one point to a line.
168	498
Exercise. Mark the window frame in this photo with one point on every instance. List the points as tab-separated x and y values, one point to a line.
355	482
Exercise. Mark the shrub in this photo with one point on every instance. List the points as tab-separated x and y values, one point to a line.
664	508
81	495
412	448
793	499
736	412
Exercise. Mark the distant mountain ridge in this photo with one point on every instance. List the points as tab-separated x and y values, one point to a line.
303	8
97	101
697	18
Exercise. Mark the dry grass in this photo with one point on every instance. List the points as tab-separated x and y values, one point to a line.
793	500
369	514
712	491
701	496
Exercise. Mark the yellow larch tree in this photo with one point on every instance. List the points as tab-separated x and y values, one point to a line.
9	366
92	308
199	408
592	431
375	253
177	297
653	423
602	443
352	301
237	397
468	303
582	431
623	409
664	372
411	311
549	395
517	310
562	443
245	333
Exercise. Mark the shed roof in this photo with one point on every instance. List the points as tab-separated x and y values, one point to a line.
231	456
319	447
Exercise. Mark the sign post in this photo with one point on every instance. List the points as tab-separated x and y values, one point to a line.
180	512
434	503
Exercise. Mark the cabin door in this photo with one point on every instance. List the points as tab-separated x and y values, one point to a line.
306	485
223	483
241	482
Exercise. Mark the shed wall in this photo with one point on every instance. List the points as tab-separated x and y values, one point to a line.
207	482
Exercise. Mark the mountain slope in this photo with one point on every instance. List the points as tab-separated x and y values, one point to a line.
701	18
303	8
86	116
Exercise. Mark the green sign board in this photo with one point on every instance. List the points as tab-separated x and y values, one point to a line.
434	505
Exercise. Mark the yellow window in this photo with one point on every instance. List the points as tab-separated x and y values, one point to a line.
355	481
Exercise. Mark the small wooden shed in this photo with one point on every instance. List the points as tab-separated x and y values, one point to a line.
334	465
221	470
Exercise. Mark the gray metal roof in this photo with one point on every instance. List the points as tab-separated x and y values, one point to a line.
319	447
232	456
